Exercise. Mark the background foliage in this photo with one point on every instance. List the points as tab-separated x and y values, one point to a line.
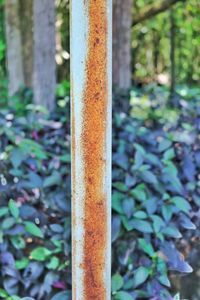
151	47
156	165
155	202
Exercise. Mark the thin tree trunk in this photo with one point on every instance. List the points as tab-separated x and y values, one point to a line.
156	44
172	53
26	22
122	20
44	53
14	46
3	37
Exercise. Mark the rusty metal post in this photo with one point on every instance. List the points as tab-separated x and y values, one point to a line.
91	45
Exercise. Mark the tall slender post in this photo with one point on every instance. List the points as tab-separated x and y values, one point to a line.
91	40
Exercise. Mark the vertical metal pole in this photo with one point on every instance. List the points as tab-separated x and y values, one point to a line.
91	30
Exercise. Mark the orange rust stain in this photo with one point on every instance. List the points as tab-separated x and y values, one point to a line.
93	143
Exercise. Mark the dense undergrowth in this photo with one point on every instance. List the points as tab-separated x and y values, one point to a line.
156	197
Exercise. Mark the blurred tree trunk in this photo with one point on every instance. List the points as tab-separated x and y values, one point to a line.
156	47
172	53
14	46
44	75
26	23
122	21
3	67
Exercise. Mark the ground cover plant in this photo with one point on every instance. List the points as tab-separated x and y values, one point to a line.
156	197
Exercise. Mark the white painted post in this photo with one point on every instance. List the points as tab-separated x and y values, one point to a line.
91	48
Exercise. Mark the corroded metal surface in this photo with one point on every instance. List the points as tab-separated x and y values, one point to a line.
91	148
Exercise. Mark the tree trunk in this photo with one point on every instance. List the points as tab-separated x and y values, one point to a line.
26	24
172	53
14	46
44	54
156	47
3	67
122	20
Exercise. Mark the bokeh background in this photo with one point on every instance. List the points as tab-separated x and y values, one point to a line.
156	150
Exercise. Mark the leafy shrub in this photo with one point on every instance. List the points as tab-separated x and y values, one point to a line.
35	225
156	200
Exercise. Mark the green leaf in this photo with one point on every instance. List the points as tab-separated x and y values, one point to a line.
164	280
16	298
172	232
170	169
128	206
169	154
21	264
140	215
8	223
163	145
181	204
171	173
149	177
28	146
1	237
62	296
139	148
33	229
16	172
54	263
161	265
177	297
141	275
167	212
65	158
117	282
14	210
139	192
52	180
18	242
121	161
139	159
123	296
158	223
128	284
142	226
120	186
126	222
152	159
16	158
146	247
34	180
3	293
117	199
3	211
40	254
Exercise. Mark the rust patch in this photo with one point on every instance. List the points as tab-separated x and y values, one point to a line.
93	144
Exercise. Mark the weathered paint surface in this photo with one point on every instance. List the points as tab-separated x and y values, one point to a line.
91	148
